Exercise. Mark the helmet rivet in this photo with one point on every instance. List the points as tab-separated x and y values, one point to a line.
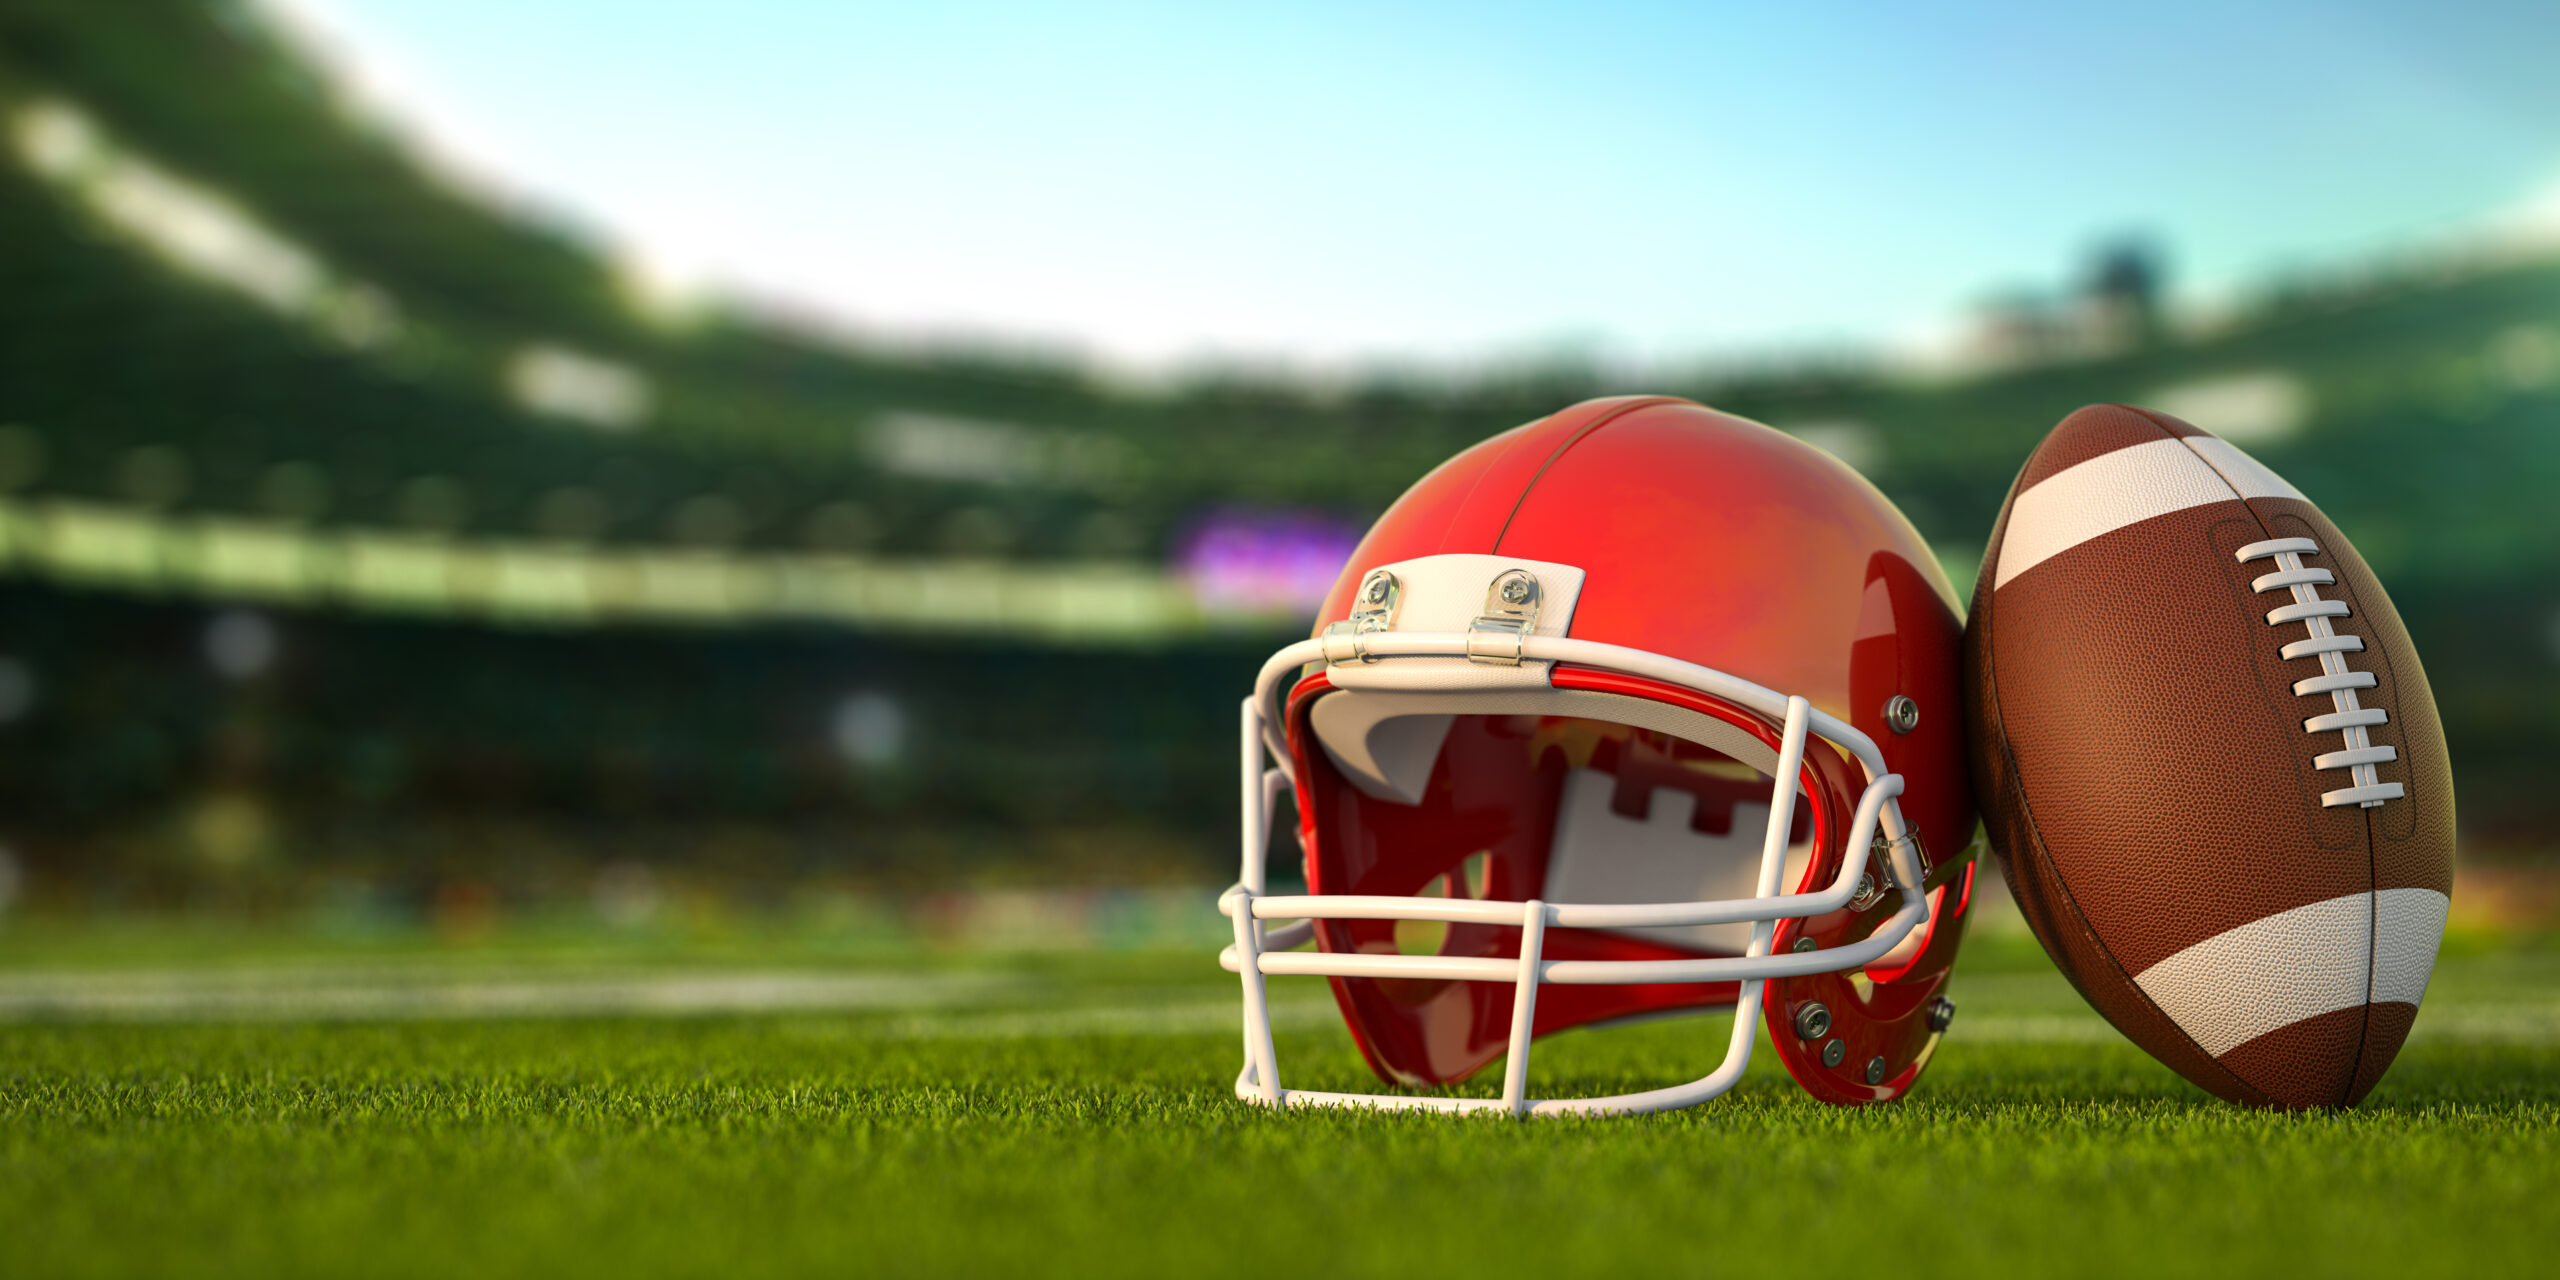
1901	714
1805	944
1833	1052
1378	590
1941	1012
1813	1021
1515	591
1875	1070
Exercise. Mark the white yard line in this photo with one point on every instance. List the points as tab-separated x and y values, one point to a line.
2489	1024
1219	1018
928	1006
2029	1028
2458	1024
305	996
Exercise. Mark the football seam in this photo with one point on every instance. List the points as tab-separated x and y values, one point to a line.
2265	525
2035	834
2372	855
2372	958
2373	837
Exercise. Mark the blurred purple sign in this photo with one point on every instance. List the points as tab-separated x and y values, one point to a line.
1264	562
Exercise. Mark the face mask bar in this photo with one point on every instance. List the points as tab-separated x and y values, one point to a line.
1260	951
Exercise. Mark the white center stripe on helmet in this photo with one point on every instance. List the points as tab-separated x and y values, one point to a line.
2102	495
2245	982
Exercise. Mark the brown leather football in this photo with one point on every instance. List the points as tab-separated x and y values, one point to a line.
2209	760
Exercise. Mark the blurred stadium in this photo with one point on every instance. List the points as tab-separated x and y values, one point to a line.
371	551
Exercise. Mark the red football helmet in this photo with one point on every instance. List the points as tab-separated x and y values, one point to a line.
1583	702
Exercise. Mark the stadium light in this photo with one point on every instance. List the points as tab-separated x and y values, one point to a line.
870	729
17	690
241	644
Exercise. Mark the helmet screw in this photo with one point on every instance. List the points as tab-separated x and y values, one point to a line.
1813	1021
1833	1052
1515	591
1377	592
1941	1012
1875	1070
1805	944
1901	714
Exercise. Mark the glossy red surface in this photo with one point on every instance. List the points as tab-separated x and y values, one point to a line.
1706	538
1465	502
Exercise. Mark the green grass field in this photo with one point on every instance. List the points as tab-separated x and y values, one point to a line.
214	1104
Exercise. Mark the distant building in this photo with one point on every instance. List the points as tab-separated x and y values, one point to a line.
2118	308
2125	288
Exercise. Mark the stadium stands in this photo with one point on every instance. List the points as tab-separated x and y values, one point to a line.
532	554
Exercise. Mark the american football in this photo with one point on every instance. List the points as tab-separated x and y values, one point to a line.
2209	760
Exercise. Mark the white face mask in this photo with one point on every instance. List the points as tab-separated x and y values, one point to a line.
1443	636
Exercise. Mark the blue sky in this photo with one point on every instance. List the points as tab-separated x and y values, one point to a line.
1457	184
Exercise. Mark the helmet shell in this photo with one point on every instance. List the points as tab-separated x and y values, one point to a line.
1717	541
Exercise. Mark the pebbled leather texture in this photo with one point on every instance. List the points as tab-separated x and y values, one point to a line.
2140	760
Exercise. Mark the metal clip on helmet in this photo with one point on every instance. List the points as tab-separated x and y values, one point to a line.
1637	708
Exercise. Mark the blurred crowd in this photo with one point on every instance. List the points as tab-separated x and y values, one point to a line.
362	544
